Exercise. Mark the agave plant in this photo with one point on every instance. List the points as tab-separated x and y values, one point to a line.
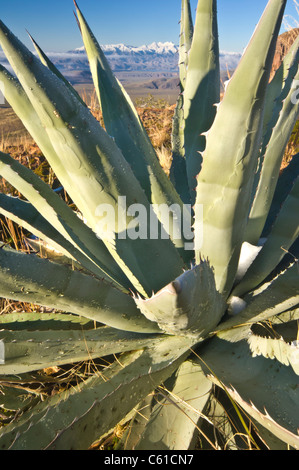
184	330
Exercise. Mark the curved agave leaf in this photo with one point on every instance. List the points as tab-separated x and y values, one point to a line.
136	423
45	250
123	124
286	317
27	351
189	306
32	279
61	217
291	256
271	441
47	62
272	298
186	36
15	399
231	428
284	233
44	321
277	91
202	88
24	214
273	348
178	171
273	152
274	405
93	162
74	419
176	411
17	98
284	183
234	140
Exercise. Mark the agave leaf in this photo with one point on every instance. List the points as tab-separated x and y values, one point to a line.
136	423
16	96
54	245
122	122
176	410
273	152
232	426
284	183
14	399
61	217
18	99
74	419
186	36
189	306
275	348
32	279
277	296
48	63
202	88
291	256
24	214
278	90
274	405
219	429
45	250
178	170
92	162
288	316
234	140
271	441
284	233
27	351
120	117
44	321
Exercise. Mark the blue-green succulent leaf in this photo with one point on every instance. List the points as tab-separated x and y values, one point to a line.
233	142
274	405
29	278
76	418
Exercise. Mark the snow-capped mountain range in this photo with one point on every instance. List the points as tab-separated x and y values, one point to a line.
156	57
166	50
154	48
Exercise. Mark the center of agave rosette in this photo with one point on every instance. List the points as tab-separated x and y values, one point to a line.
189	306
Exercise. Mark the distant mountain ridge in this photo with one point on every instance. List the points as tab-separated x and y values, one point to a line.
153	48
157	57
163	55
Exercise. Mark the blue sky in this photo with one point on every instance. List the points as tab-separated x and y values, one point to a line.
132	22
